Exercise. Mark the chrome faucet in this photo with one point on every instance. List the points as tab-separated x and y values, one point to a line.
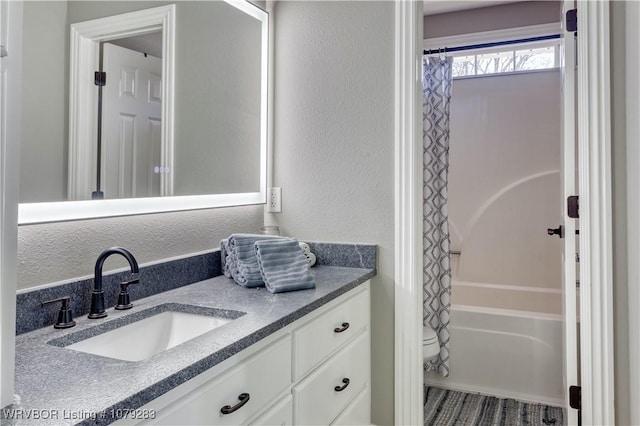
97	296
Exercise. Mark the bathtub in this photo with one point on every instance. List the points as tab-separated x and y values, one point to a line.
513	353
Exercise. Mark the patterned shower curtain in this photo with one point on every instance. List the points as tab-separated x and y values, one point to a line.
436	89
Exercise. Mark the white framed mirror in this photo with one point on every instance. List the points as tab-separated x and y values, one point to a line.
213	117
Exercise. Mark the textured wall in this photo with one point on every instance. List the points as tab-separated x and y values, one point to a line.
333	145
491	18
61	251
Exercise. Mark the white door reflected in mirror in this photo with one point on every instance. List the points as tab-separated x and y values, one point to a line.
132	106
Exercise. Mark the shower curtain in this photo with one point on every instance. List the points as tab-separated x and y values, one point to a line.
436	90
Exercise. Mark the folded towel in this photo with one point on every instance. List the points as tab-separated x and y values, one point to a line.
225	257
283	265
243	265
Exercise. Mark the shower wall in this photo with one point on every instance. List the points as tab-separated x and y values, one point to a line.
505	186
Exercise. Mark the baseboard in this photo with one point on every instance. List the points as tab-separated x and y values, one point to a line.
500	393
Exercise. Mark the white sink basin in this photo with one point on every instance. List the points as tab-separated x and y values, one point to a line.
147	337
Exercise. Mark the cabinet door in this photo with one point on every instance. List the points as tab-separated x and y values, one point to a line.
280	414
320	397
316	340
262	377
358	412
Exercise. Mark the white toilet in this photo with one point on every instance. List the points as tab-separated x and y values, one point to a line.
430	343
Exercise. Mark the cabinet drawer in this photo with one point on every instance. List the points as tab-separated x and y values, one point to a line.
358	412
263	377
316	399
280	414
316	340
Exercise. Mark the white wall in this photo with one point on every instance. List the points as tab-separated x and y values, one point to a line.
504	179
333	145
510	15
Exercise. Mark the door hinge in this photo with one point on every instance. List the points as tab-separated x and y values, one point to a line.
573	207
572	20
100	78
575	397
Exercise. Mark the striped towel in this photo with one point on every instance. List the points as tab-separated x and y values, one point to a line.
242	261
283	266
225	257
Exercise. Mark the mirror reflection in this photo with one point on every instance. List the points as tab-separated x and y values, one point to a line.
218	114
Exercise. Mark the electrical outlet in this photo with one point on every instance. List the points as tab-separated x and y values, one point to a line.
274	201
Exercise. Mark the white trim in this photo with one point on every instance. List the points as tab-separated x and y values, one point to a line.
594	159
492	36
85	38
10	111
632	57
84	56
408	380
568	149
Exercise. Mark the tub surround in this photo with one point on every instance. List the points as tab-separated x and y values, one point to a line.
517	352
160	277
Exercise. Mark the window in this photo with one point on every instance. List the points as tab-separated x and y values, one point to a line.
506	59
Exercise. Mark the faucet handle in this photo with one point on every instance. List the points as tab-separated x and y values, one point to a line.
65	315
124	301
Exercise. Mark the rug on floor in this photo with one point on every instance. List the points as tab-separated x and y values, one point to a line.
451	408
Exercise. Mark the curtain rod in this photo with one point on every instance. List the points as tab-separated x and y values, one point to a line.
494	44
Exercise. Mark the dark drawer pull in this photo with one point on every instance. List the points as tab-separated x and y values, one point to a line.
345	325
227	409
343	387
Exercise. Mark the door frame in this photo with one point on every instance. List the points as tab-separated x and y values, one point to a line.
10	94
596	235
596	245
408	370
84	55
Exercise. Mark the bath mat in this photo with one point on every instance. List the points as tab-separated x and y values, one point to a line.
451	408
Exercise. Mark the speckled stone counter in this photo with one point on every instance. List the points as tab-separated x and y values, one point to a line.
57	380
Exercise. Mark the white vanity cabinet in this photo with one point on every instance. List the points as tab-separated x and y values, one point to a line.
316	370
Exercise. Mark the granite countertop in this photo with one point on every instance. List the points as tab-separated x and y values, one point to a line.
63	383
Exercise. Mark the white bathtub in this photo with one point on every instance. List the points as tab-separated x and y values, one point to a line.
505	352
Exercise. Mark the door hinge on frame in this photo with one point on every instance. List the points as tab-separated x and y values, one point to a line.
573	207
575	397
571	23
100	78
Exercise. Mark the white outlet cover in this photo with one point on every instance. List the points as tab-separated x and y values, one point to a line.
274	201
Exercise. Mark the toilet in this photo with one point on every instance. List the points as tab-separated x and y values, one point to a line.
430	344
